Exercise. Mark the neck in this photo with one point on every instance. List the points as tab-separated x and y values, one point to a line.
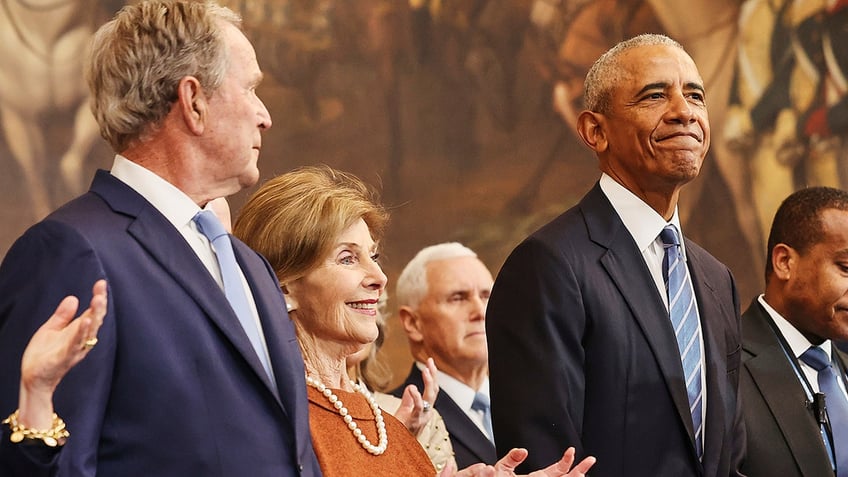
469	374
322	364
662	197
785	309
170	158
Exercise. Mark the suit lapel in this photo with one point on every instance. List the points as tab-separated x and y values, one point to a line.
463	429
624	263
460	427
168	248
770	371
715	353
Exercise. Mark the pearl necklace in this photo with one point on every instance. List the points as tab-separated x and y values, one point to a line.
351	424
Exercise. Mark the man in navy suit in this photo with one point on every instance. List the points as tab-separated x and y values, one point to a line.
582	350
174	387
442	295
805	304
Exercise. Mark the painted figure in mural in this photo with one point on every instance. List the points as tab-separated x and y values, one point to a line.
196	327
42	47
608	330
787	115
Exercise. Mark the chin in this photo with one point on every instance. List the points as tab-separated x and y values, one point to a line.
249	179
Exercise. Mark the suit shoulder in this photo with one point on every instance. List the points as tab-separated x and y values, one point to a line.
706	258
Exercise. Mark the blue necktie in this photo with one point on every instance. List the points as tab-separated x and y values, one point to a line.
209	225
481	403
684	317
835	402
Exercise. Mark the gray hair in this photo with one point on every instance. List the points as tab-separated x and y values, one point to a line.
602	76
412	284
139	57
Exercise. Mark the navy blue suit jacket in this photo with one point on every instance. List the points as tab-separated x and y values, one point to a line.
582	353
174	387
470	446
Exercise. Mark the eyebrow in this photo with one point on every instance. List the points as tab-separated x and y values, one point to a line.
357	246
663	85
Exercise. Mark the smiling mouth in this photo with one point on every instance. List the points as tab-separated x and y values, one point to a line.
682	134
366	305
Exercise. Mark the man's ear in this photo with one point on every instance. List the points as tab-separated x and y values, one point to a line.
411	323
783	260
192	104
590	127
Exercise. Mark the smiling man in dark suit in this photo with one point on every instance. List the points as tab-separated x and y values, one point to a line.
181	382
442	295
588	344
804	307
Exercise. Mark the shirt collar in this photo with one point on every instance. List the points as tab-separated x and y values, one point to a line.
173	203
643	222
462	394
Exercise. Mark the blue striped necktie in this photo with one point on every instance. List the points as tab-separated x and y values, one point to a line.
835	403
684	318
209	225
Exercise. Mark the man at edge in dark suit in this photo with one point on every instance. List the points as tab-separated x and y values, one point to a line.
805	305
582	350
175	385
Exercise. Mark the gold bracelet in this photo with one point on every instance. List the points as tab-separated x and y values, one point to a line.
52	437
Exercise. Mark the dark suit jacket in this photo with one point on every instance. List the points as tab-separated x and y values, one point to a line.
21	460
174	387
783	435
582	353
470	446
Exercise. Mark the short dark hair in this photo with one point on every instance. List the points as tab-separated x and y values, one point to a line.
797	222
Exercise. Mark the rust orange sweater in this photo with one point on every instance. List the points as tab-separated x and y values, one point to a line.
340	454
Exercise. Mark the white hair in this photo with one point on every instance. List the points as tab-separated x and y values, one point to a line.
605	73
412	285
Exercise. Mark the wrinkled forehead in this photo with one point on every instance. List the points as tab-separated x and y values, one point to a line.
454	272
648	64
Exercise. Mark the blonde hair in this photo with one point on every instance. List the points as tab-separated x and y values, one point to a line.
139	57
293	219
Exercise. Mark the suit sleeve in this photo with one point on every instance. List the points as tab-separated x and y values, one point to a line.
535	323
49	262
21	460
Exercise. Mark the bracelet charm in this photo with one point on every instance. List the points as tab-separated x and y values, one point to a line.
55	436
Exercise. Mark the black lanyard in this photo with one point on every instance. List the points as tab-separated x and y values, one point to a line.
815	401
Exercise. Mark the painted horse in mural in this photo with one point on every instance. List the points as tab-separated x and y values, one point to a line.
42	46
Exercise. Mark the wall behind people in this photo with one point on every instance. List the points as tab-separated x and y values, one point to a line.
451	111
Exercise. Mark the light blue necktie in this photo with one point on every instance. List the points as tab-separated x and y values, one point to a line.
835	402
209	225
481	403
684	317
